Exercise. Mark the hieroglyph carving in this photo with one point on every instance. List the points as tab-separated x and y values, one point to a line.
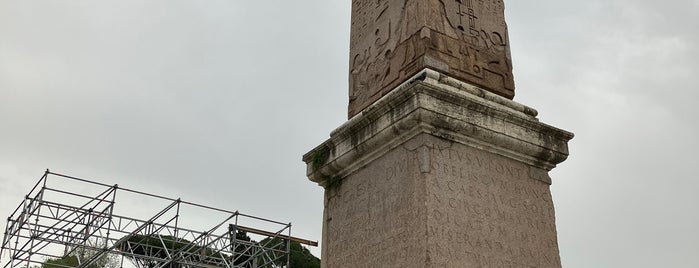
391	40
375	30
481	24
464	15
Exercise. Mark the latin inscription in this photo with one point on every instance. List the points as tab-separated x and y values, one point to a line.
485	210
441	205
373	215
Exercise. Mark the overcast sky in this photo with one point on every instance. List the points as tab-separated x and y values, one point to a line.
216	101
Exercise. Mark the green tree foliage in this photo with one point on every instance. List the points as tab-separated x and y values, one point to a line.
70	261
83	253
154	246
299	256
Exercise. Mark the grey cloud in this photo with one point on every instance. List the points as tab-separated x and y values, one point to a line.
216	102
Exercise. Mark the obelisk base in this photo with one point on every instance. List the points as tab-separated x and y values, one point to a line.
439	173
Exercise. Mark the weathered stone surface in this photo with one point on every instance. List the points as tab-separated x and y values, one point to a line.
439	173
430	202
375	218
392	40
485	210
434	103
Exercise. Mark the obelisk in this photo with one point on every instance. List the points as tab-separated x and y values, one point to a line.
392	40
437	165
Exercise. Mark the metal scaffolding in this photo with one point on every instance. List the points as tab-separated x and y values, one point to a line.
55	223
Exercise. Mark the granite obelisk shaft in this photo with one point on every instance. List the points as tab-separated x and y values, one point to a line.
391	40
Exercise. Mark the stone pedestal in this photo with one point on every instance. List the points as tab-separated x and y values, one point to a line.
439	173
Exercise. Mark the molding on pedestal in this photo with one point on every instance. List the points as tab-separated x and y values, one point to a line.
436	104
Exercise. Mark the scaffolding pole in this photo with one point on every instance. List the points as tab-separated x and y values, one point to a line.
86	228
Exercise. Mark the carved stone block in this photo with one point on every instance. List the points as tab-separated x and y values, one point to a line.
430	202
391	40
439	174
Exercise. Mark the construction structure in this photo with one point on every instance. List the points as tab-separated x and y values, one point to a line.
68	217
